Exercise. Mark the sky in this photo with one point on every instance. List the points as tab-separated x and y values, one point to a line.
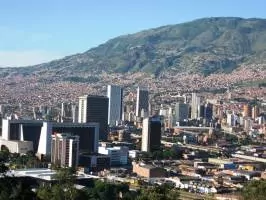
37	31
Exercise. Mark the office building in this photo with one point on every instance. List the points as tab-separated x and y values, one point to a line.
208	110
201	109
65	150
255	112
195	102
40	133
142	102
247	111
181	112
115	95
94	109
118	155
151	134
94	161
74	113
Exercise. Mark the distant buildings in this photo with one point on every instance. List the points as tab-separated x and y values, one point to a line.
65	149
115	95
142	103
151	134
94	109
181	112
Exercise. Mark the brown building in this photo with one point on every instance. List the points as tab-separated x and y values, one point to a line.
247	110
148	171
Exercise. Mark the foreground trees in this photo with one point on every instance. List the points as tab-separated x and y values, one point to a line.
163	192
255	190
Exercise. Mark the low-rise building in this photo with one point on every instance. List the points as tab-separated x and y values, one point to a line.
118	155
148	171
94	162
16	146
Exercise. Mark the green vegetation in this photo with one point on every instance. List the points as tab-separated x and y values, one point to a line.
163	192
64	188
255	190
206	46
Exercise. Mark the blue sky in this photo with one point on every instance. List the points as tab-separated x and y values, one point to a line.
35	31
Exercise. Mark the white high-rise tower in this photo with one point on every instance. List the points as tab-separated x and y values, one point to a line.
115	95
195	102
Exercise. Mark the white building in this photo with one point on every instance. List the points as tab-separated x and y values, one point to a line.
142	101
115	95
118	155
82	113
195	102
21	147
65	149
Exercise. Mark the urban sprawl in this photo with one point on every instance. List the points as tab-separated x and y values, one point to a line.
204	136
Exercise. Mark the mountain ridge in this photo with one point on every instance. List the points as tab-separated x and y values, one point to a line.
204	46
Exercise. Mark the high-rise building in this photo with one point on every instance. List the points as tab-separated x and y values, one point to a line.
181	112
247	111
201	109
65	150
195	102
94	109
255	112
142	101
74	113
151	134
208	111
115	95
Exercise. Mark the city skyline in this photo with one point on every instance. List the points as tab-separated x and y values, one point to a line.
36	32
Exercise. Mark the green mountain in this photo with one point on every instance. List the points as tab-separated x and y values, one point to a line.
206	46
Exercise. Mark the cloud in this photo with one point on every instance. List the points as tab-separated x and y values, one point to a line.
26	58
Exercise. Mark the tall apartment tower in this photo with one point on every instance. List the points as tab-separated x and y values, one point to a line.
151	134
247	110
94	109
115	95
142	101
65	150
195	102
181	112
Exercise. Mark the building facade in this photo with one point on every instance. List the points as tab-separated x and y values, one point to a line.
118	155
181	111
195	102
151	134
142	102
115	96
65	149
94	109
40	133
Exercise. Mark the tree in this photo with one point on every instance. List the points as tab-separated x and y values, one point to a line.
163	192
255	190
63	188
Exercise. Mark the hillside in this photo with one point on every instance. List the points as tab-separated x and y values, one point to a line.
205	46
